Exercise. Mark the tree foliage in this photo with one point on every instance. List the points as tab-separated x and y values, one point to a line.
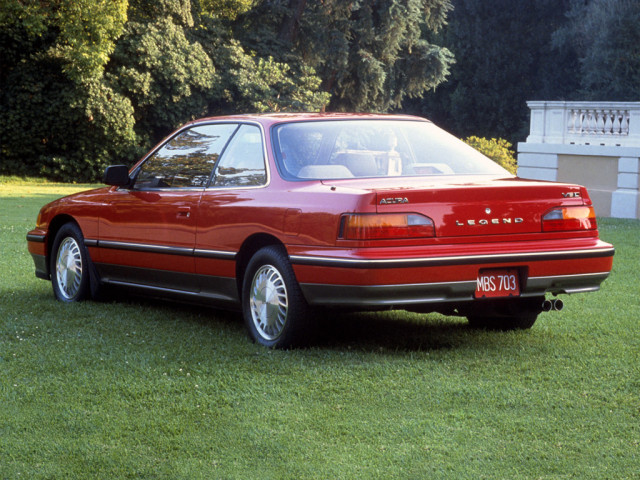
58	115
88	31
497	149
605	37
168	78
264	85
252	81
370	55
85	83
504	57
225	9
511	51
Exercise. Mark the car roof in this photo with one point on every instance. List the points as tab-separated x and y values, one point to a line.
268	119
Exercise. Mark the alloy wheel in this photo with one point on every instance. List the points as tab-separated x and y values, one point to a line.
69	268
268	302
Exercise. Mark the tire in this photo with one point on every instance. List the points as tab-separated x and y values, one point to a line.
275	312
69	265
522	321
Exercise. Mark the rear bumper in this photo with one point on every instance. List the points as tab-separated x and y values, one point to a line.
379	282
444	292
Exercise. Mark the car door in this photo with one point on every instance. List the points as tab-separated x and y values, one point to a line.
230	211
147	234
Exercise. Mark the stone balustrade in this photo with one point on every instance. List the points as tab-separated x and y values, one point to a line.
596	144
585	123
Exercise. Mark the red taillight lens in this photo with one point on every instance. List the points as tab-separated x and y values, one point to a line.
386	226
569	218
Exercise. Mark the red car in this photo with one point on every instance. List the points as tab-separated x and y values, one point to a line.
280	214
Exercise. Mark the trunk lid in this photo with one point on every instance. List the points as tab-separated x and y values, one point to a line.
478	205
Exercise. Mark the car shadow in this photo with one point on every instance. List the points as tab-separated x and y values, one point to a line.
387	331
400	331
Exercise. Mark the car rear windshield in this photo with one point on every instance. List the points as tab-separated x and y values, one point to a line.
339	149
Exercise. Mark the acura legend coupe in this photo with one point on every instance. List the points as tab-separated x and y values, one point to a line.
280	215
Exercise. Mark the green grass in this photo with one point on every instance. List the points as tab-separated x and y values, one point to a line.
144	389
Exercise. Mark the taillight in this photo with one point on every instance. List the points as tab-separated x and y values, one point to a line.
385	226
569	218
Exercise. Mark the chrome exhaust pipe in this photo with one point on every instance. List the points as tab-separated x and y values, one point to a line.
558	304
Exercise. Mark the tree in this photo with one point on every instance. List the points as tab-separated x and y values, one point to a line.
58	115
605	36
167	78
178	60
81	33
504	57
257	84
370	55
84	83
225	9
250	81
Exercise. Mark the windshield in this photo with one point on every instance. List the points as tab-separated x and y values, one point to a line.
374	148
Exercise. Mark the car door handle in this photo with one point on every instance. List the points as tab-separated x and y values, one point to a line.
184	212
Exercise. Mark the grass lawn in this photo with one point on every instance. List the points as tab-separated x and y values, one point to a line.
144	389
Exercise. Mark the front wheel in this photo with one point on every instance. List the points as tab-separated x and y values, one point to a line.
275	312
69	265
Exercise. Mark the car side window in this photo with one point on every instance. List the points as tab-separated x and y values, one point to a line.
187	160
242	164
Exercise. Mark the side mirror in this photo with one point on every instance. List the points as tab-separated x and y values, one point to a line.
117	175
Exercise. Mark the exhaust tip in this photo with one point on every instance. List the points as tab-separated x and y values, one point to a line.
547	306
558	304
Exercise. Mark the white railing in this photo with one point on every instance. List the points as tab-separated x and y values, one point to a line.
585	123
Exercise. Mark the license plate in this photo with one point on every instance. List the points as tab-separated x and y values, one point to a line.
498	282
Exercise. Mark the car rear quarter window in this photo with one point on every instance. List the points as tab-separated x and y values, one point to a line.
242	163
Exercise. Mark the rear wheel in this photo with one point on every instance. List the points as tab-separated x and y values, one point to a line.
69	266
275	312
